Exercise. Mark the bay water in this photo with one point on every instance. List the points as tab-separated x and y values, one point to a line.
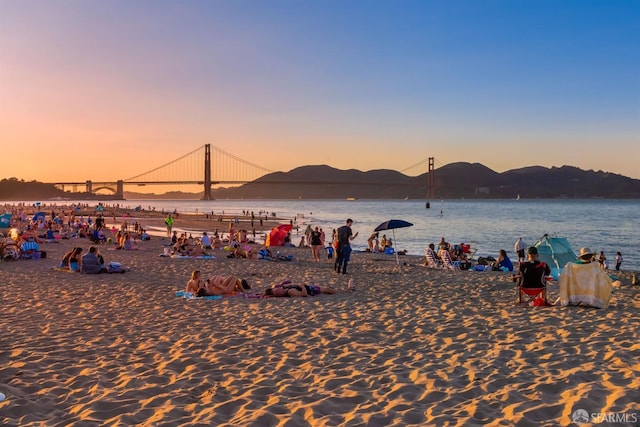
488	225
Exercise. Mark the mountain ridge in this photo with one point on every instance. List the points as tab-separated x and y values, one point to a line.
452	181
455	180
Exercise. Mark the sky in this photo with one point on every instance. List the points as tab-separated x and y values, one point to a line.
108	89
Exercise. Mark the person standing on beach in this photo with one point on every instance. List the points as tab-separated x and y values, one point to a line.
619	260
520	247
168	220
345	236
602	260
316	243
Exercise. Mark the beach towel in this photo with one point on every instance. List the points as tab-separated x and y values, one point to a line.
191	257
189	295
66	270
584	284
256	296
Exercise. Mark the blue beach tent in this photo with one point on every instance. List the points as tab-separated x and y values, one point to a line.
556	252
5	220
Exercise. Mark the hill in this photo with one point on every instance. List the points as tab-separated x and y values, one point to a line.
452	181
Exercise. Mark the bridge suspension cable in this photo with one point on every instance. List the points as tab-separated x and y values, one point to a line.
191	167
233	168
165	165
418	168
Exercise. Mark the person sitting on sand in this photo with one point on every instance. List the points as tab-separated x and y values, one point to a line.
503	263
244	252
287	289
127	243
205	240
91	262
188	247
242	236
72	256
195	285
75	260
217	242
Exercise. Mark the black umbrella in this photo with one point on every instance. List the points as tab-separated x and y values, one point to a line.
392	224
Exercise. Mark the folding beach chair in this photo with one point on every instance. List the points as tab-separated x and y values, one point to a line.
447	263
532	296
431	260
28	249
532	283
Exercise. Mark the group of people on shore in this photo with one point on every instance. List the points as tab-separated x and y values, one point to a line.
593	282
376	244
91	262
338	249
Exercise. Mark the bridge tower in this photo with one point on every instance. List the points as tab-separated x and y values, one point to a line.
120	189
207	173
431	177
431	181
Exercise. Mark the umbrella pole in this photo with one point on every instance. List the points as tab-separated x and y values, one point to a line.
394	247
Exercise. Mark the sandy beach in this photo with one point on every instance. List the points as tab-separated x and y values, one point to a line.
411	346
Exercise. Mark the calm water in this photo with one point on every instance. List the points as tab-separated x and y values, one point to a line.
608	225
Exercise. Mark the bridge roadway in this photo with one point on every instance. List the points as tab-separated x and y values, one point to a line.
117	187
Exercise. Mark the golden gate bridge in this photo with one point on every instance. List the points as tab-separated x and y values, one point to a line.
209	165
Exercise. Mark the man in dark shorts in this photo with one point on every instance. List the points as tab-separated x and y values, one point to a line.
345	236
520	248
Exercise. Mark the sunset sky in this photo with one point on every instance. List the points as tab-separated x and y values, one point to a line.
109	89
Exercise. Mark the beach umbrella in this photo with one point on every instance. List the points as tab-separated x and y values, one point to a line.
392	224
278	234
38	215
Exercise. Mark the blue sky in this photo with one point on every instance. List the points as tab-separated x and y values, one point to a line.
352	84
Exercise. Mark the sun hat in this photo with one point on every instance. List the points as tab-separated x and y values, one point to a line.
585	253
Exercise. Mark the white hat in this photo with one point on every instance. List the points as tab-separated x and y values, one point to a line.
585	253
